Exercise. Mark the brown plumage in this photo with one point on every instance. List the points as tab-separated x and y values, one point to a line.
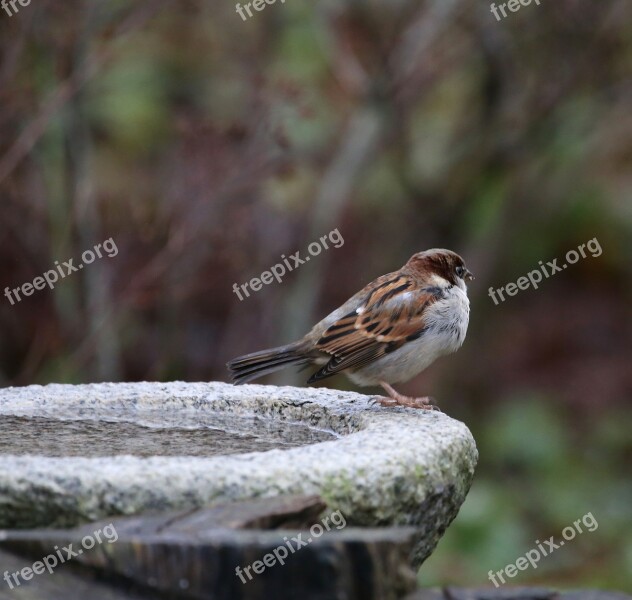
389	331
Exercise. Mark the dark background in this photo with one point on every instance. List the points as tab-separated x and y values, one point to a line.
207	147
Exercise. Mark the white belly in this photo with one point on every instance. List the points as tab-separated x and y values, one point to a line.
446	328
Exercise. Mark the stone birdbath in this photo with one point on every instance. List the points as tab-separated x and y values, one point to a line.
72	454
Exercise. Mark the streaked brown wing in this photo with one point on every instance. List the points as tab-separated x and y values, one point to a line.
391	315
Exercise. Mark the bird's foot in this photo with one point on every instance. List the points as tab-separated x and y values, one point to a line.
397	399
424	403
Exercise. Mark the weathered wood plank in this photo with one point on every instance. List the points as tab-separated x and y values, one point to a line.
289	512
513	593
195	554
62	584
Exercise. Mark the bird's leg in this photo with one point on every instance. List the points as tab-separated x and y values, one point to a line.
397	399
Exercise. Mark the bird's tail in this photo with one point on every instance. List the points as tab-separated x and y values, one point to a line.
252	366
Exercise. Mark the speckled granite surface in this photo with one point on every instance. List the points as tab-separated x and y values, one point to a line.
388	466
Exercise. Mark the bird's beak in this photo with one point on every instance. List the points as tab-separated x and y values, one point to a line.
469	275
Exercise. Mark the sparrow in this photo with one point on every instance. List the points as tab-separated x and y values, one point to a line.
390	331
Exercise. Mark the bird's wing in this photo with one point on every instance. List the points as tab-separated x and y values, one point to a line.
393	312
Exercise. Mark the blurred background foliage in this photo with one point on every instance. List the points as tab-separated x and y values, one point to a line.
207	146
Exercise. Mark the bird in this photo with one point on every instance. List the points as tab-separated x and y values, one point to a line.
390	331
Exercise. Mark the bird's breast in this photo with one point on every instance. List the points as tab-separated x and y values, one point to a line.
449	317
446	326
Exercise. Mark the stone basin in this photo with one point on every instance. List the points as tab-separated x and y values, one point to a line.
189	445
224	434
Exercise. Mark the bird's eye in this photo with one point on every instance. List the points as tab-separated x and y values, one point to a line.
460	271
